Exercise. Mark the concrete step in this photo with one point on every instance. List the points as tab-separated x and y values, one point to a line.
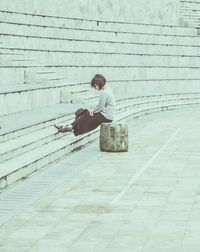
55	33
150	75
189	13
17	98
96	59
107	48
157	98
36	31
12	58
28	42
11	76
135	88
129	114
118	60
36	119
59	80
40	76
162	103
64	23
17	62
90	60
126	60
120	73
29	141
10	54
130	56
79	95
148	28
32	140
85	96
191	4
193	22
18	76
22	165
137	101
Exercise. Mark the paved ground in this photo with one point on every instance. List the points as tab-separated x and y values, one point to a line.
147	199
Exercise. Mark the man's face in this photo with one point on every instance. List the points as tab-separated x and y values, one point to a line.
96	87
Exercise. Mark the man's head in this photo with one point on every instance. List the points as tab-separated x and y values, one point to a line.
98	81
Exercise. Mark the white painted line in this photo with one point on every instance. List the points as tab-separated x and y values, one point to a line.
137	175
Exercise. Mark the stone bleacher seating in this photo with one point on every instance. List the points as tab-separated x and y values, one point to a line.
46	64
189	12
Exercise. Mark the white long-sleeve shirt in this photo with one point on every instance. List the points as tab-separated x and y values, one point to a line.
106	105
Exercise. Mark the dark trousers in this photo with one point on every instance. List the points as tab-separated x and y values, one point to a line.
85	122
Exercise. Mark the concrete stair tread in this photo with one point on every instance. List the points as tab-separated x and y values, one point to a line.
8	53
5	89
36	154
103	25
139	49
16	121
25	159
74	33
25	140
159	97
80	91
25	164
48	131
39	72
41	79
153	38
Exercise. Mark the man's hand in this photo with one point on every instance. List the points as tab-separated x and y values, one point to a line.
91	111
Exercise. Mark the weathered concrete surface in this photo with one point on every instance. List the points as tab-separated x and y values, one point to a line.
143	11
145	200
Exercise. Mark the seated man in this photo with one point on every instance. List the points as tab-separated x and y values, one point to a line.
87	120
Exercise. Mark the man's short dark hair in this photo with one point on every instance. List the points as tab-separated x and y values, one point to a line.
98	80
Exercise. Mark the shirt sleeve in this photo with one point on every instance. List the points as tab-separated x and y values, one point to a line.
102	102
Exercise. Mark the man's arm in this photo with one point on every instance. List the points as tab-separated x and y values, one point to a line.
102	103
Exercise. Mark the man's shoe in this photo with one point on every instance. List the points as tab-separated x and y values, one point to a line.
62	129
59	128
66	129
